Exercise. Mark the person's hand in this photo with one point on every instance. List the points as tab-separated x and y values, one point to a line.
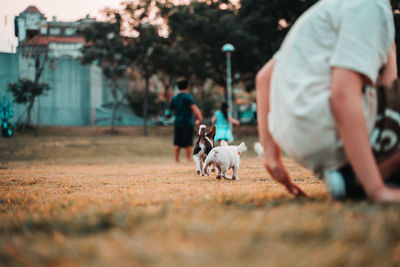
278	172
295	189
385	194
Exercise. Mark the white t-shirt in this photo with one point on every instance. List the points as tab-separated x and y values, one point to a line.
353	34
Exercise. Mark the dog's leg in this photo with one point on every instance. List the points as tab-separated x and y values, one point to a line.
218	172
235	171
223	168
197	161
201	166
225	173
213	168
206	164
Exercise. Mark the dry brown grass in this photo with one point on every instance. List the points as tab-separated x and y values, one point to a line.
120	200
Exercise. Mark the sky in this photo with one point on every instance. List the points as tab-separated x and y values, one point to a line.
64	10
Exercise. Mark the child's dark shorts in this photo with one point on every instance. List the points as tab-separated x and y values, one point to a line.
183	136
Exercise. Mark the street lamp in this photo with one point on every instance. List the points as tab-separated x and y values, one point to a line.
228	49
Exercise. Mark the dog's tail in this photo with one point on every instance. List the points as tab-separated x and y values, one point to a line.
209	160
259	149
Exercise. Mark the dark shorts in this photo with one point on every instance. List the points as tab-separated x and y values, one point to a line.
183	136
355	191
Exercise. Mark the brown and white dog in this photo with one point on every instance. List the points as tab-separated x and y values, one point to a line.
203	146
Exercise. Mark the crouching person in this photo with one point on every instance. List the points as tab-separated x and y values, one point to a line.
317	100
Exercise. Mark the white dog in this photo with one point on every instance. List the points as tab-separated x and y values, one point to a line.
259	149
224	158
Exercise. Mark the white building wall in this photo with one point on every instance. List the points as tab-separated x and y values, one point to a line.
21	28
96	91
30	21
65	49
68	101
76	97
8	72
26	67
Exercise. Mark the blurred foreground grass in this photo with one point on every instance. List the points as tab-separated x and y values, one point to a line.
89	199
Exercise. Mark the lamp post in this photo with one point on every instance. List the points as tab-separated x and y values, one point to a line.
228	49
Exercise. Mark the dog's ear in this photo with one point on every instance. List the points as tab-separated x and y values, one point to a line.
201	130
242	148
212	132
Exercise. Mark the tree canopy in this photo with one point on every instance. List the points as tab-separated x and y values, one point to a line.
106	46
256	28
185	40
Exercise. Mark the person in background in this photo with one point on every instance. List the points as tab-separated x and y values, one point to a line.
221	121
184	107
317	99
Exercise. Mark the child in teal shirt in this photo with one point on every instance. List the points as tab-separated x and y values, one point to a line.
221	121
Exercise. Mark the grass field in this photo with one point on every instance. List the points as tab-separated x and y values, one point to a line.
82	198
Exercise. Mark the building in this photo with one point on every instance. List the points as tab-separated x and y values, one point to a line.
61	38
79	94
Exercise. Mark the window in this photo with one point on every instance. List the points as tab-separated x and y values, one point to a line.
70	31
31	33
54	31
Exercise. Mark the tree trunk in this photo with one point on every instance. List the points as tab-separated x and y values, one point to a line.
145	107
167	85
113	115
114	93
29	114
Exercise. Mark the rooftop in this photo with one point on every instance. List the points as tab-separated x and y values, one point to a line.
46	40
31	9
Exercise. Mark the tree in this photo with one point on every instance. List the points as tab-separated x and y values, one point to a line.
197	32
106	46
256	28
147	50
262	26
25	91
136	102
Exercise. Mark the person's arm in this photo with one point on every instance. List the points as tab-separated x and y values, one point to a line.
346	106
234	121
195	109
213	120
272	153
